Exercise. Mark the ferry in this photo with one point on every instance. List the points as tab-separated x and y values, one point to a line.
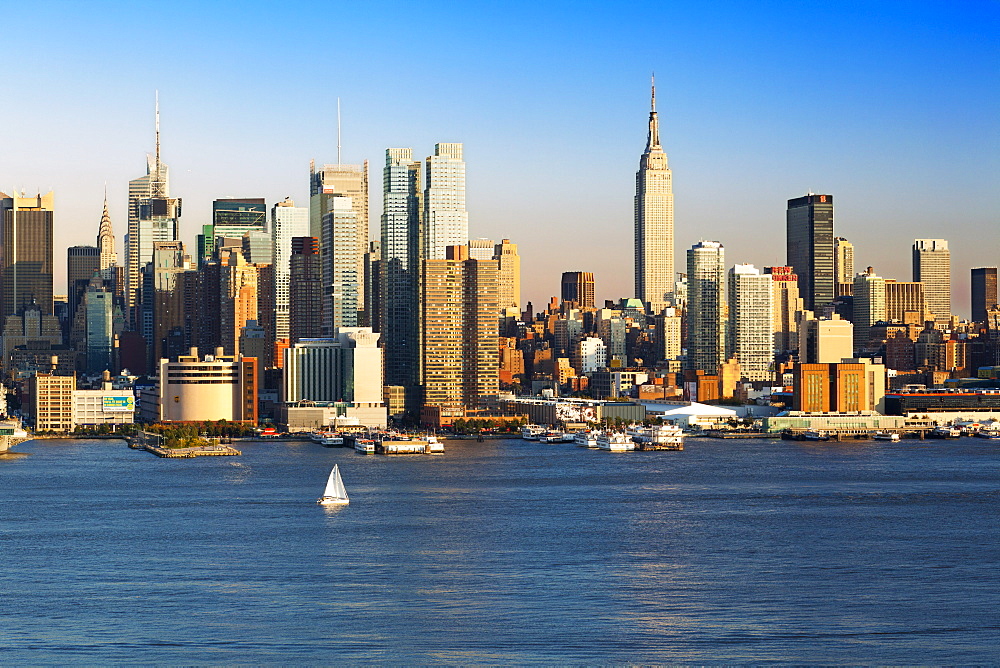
885	436
660	437
531	432
11	433
364	445
992	433
434	446
327	438
556	437
814	435
944	431
586	439
615	441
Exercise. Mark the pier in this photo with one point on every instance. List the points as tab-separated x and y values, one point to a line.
195	451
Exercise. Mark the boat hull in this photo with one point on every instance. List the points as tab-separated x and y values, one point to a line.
331	501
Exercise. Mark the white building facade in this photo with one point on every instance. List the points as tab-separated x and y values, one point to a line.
446	222
751	321
287	221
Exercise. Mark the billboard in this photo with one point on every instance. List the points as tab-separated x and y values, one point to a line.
118	404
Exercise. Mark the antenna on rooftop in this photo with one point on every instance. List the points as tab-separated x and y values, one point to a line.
338	131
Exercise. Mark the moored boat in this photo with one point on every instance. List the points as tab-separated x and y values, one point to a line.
586	439
660	437
615	441
944	431
531	432
364	445
885	436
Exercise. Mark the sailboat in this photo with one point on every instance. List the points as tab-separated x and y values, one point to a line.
334	494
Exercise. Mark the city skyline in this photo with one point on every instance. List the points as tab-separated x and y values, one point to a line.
865	130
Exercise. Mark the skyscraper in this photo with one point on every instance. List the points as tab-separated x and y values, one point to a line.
810	248
509	265
235	216
400	267
843	260
654	221
106	240
578	287
152	217
459	331
341	265
751	318
446	222
81	263
869	306
707	311
932	267
26	240
163	301
238	298
305	290
341	181
984	292
787	304
287	221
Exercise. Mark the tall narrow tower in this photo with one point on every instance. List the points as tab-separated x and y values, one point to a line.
106	240
446	222
654	221
152	217
932	267
810	248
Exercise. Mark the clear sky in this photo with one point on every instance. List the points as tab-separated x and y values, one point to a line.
893	107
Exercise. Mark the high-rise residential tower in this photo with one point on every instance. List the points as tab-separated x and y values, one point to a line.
26	240
751	318
869	306
446	222
707	310
787	305
402	213
984	292
459	331
287	221
843	260
810	247
654	221
932	267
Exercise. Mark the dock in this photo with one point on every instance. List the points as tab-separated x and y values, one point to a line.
196	451
725	433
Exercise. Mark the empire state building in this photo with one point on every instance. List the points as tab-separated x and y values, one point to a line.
654	222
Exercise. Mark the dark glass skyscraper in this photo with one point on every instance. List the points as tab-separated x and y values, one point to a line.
810	248
984	292
578	287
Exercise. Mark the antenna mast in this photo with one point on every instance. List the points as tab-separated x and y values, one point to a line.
338	131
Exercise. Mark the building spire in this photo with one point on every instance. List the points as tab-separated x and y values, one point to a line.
653	139
158	186
106	237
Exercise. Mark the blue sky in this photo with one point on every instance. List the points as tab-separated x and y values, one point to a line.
892	107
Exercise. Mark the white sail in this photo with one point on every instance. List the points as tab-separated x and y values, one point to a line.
335	491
